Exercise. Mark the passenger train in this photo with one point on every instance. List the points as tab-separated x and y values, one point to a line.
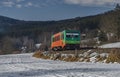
67	39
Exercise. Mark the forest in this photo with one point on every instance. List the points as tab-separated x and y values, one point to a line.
15	34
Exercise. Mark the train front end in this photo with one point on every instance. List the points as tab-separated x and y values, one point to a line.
72	39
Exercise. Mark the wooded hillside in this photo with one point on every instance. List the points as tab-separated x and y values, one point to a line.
16	33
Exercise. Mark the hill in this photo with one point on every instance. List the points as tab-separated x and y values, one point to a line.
6	21
16	33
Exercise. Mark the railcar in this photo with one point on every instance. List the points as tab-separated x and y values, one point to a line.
67	39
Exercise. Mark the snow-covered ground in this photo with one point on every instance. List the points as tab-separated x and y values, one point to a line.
111	45
24	65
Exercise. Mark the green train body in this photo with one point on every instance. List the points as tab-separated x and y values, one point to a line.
67	39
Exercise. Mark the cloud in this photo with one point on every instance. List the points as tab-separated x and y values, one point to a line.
8	3
11	3
29	3
18	5
92	2
19	1
53	2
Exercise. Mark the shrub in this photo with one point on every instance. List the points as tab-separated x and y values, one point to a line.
71	58
38	54
100	59
114	56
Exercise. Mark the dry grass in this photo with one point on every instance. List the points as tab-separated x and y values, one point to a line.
100	59
38	54
71	59
16	52
114	56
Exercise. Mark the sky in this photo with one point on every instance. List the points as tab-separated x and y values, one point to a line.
45	10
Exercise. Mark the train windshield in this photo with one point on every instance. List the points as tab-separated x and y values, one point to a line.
72	35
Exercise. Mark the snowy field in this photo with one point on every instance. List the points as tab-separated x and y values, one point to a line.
24	65
111	45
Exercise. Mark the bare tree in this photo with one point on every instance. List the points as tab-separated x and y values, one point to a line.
7	45
108	25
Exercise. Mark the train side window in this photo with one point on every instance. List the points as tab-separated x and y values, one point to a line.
68	36
57	38
53	39
76	36
62	36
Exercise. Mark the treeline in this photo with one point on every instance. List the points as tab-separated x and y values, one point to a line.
15	34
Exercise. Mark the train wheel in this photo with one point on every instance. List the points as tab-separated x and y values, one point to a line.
60	48
54	49
63	48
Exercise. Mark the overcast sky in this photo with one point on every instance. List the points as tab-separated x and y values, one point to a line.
43	10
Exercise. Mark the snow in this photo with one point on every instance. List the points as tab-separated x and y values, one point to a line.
93	59
111	45
24	65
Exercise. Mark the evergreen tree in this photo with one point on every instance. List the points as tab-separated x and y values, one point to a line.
117	7
102	37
